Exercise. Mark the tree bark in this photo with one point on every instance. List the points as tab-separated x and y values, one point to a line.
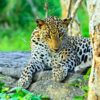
69	9
94	25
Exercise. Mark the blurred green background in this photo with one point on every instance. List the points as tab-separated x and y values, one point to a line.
17	21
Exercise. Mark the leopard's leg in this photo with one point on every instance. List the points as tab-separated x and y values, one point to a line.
59	71
60	68
26	76
73	63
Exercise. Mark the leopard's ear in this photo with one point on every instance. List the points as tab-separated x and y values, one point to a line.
40	22
67	21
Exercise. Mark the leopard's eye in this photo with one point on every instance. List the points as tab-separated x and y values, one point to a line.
48	36
60	34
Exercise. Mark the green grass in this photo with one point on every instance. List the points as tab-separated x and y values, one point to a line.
18	41
12	40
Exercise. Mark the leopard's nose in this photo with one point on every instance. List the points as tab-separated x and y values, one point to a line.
56	50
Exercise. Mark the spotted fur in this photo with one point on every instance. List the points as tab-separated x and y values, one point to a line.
51	47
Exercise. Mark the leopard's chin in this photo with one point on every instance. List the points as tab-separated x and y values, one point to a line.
55	51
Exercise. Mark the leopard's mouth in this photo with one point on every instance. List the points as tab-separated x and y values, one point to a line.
55	50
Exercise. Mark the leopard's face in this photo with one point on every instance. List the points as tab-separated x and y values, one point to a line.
52	31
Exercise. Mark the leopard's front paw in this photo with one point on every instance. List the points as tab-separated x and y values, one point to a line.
59	75
23	83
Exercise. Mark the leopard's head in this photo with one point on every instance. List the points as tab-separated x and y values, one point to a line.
52	30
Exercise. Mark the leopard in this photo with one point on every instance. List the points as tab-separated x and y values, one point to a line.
52	48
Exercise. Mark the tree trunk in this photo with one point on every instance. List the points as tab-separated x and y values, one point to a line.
94	24
66	9
69	9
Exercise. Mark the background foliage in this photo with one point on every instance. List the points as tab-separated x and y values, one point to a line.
17	21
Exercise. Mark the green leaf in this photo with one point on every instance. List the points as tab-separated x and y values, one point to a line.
35	98
25	91
5	89
78	98
2	96
45	98
85	88
32	97
15	89
2	84
86	77
14	98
